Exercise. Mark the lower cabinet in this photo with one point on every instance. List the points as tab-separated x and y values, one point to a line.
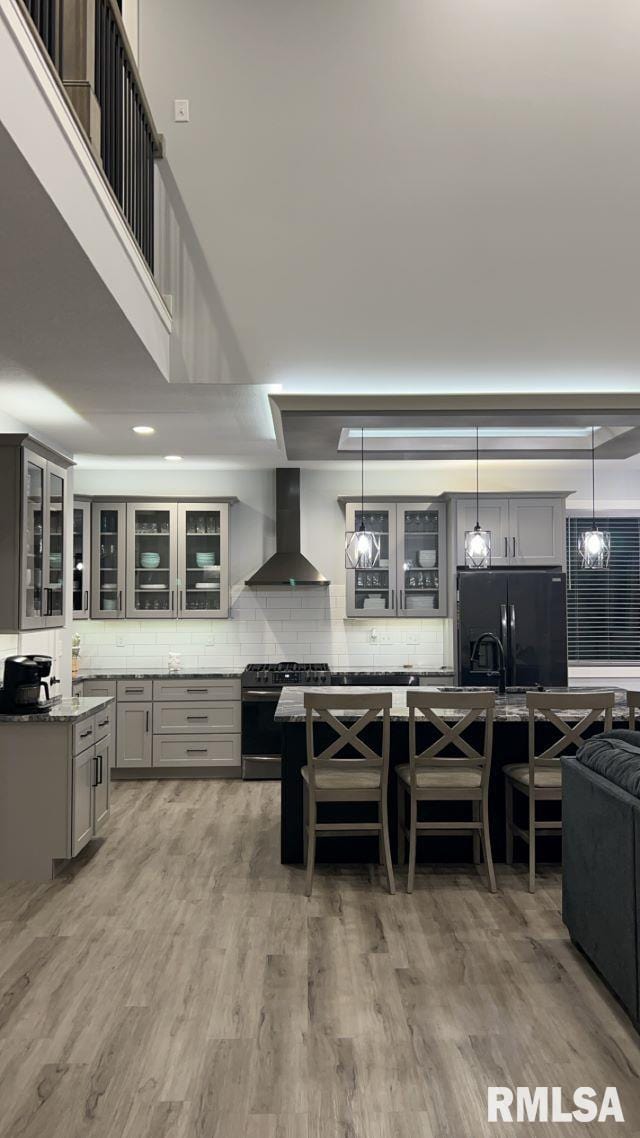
91	793
134	735
197	751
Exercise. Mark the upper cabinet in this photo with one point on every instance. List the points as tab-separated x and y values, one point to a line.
81	559
33	568
154	560
410	579
528	531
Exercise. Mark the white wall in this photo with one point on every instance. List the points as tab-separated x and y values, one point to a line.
309	624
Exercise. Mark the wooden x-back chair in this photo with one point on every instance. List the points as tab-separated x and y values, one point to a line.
633	703
331	778
431	776
541	778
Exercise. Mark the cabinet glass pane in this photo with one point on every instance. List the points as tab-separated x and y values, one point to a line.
56	544
202	560
152	568
109	552
372	586
80	583
421	583
33	538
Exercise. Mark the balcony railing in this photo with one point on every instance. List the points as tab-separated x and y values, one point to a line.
87	44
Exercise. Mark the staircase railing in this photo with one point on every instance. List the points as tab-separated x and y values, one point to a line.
87	44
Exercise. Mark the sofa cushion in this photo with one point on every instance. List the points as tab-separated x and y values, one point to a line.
615	755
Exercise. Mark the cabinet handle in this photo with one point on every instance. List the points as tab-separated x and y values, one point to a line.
393	598
86	600
198	717
196	750
100	757
134	691
94	784
86	734
197	691
402	598
103	723
146	722
120	601
506	546
514	546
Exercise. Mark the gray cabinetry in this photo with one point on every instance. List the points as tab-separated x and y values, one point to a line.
32	535
108	552
152	560
134	738
81	567
82	814
526	530
102	782
410	579
203	563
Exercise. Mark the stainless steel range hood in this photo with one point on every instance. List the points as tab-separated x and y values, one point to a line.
288	566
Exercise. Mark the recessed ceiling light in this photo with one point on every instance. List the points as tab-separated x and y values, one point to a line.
144	430
173	458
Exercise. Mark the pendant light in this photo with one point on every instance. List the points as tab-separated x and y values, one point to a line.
362	546
594	545
477	541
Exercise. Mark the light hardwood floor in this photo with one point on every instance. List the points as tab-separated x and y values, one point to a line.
178	983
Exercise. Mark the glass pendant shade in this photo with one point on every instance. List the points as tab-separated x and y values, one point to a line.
594	547
477	548
362	549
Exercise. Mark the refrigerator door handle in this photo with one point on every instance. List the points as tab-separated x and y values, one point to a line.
512	642
503	629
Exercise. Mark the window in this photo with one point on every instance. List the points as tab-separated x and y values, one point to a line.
603	605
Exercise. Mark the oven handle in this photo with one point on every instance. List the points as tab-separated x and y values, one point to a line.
272	695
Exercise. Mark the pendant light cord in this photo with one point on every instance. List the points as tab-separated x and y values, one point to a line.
362	472
477	479
593	477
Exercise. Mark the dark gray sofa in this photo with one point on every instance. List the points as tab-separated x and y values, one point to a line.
601	859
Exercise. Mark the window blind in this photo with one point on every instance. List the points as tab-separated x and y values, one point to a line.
603	605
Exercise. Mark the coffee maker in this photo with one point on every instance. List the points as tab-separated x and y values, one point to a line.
24	676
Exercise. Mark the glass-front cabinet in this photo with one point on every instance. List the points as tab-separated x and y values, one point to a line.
152	565
420	542
108	560
43	543
410	579
203	570
81	560
371	591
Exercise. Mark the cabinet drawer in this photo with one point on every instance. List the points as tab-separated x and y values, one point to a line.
192	718
99	687
196	751
104	722
200	690
84	734
138	690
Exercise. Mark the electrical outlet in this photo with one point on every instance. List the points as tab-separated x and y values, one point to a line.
181	110
385	638
120	641
413	638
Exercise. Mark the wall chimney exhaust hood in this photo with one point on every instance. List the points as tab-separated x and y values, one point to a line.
288	566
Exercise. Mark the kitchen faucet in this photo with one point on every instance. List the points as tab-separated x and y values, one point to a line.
489	637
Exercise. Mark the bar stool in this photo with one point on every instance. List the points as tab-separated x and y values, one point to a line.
541	779
430	776
329	778
633	703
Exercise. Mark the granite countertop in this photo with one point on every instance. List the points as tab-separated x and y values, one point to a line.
159	674
429	673
510	708
71	710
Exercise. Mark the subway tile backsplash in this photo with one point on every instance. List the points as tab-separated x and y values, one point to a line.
273	625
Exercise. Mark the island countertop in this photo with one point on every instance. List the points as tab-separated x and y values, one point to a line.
509	708
157	674
70	710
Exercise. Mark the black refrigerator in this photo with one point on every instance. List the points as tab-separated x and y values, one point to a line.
527	610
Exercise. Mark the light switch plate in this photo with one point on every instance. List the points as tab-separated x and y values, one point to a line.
413	638
181	110
120	641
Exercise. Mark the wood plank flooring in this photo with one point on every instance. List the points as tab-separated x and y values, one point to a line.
178	984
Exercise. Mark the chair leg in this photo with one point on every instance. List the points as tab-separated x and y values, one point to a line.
532	842
402	821
413	841
508	804
486	845
475	814
386	845
311	846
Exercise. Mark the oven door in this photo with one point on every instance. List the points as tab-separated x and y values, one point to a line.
261	735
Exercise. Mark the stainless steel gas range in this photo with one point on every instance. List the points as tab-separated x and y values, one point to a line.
261	736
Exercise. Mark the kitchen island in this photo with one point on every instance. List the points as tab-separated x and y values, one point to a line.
510	744
54	785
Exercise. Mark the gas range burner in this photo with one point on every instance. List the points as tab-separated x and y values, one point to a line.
285	672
